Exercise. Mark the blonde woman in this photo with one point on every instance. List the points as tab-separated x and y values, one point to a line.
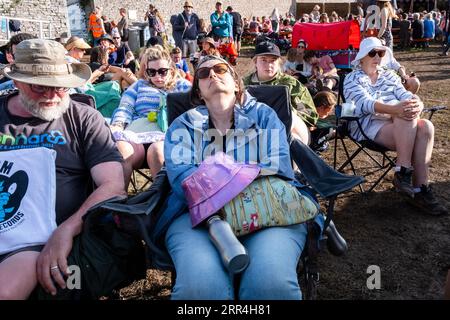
145	100
387	13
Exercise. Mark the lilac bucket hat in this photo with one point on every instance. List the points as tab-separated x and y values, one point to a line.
216	182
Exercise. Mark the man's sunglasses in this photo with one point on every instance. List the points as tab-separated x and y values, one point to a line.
161	71
203	73
373	53
42	89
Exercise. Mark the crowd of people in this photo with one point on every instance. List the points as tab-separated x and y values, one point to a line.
130	130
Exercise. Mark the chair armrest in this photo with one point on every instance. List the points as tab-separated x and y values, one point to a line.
321	177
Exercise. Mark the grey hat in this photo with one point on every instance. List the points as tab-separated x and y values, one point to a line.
43	62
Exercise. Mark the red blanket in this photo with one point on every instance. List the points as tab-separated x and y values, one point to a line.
327	36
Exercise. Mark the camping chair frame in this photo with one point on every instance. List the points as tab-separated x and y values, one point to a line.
366	146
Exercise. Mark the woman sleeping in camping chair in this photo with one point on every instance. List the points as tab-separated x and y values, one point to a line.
390	116
225	109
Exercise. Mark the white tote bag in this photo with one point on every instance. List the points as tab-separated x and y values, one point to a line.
27	197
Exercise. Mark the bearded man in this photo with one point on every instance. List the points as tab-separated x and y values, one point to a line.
51	150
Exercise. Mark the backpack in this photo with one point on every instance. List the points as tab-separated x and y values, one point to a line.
14	25
115	248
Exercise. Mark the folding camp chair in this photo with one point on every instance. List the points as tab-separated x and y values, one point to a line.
327	182
381	157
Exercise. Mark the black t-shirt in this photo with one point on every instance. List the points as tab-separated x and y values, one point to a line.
81	138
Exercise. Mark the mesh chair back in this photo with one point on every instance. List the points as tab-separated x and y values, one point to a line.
84	98
276	97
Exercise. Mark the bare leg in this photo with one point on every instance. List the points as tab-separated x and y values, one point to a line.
400	135
18	275
423	148
155	157
133	155
299	130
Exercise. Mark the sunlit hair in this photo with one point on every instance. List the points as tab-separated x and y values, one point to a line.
388	5
196	94
291	54
159	53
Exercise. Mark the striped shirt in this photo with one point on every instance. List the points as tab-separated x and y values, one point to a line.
141	98
358	88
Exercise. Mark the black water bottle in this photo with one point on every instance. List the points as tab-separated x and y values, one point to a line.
234	255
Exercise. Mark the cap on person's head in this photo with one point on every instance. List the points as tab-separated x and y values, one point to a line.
76	42
302	41
106	37
43	62
210	41
218	3
267	48
188	4
229	8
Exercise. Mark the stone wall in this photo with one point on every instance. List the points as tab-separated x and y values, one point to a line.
203	8
54	11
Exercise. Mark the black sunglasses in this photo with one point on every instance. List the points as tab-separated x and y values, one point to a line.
161	71
203	73
373	53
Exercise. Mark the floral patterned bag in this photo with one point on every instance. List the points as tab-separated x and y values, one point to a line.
268	202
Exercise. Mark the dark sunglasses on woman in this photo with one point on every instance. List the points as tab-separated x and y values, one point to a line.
373	53
161	71
203	73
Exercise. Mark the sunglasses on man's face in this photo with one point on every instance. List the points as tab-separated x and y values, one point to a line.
203	73
373	53
161	71
42	89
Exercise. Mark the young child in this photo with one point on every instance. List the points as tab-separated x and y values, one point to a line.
323	68
181	63
325	101
290	65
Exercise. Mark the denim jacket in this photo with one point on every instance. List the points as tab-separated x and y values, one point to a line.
188	142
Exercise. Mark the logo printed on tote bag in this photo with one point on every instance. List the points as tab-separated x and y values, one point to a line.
12	191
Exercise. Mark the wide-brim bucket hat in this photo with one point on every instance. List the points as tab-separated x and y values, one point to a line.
215	183
210	41
43	62
75	42
369	44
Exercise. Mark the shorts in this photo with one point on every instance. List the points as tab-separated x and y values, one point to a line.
237	36
37	248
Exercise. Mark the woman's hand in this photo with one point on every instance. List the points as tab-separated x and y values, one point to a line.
409	109
116	127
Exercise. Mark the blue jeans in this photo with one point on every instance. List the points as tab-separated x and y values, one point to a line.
271	274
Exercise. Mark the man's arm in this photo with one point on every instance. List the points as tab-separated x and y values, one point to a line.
109	181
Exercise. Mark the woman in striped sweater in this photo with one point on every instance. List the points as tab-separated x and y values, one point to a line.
390	115
142	110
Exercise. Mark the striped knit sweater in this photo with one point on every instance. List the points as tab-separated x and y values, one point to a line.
359	89
141	98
